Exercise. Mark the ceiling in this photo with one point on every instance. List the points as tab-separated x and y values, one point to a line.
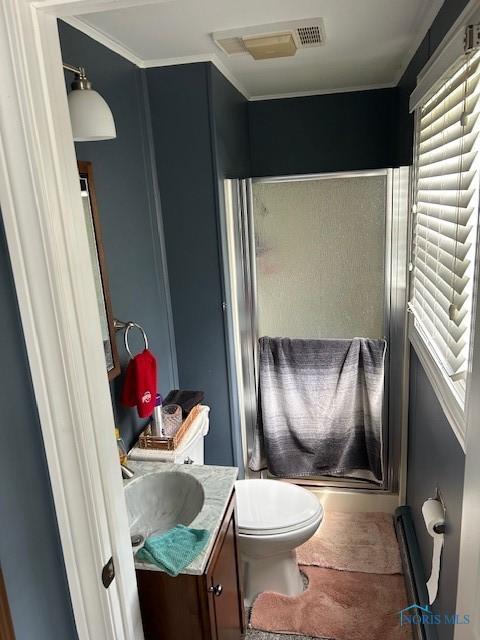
368	42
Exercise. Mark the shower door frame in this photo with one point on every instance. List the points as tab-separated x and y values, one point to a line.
239	261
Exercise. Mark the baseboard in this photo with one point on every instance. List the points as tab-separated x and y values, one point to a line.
413	569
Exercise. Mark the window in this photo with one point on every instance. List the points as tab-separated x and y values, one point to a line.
445	209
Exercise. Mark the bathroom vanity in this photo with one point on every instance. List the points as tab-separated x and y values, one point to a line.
205	601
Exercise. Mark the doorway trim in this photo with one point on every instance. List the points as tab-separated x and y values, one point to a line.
54	282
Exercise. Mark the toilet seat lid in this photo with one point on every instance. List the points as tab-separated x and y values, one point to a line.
273	506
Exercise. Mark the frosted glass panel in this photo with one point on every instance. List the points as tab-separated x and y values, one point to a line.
320	251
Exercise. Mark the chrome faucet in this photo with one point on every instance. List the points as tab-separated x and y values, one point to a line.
127	473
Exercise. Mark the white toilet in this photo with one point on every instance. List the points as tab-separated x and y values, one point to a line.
274	518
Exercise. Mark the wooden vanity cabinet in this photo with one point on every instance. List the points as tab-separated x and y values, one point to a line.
6	625
189	607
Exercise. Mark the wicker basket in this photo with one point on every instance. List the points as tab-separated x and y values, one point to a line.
147	441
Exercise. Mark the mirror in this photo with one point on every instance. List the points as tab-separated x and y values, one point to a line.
97	255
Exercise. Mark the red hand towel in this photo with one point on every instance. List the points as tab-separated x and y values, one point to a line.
140	384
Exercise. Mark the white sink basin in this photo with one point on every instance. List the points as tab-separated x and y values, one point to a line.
158	501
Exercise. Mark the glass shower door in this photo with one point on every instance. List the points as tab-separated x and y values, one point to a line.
318	257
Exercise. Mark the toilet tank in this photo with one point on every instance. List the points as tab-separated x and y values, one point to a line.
190	450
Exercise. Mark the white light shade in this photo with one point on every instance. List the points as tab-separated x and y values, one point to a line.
90	116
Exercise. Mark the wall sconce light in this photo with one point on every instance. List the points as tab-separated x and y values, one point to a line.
90	115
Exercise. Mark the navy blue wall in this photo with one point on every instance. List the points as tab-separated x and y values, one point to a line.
231	152
316	134
229	110
435	459
200	134
31	558
127	194
447	15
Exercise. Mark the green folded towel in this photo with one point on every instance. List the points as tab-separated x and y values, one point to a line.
173	550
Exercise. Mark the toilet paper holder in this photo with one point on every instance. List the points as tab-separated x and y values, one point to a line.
440	528
433	511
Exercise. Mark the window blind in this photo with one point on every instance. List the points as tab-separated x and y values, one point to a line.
445	220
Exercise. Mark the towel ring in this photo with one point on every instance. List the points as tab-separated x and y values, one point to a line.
125	336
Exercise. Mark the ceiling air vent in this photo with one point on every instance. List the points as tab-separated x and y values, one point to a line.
273	40
310	36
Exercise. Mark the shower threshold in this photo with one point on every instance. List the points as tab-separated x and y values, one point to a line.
334	483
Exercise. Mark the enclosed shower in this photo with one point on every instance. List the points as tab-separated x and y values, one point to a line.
317	260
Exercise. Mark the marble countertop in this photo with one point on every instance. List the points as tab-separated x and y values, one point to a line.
217	483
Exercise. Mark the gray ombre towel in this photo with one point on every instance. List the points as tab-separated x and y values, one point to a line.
320	408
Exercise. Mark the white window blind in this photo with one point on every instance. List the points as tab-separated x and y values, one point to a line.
445	220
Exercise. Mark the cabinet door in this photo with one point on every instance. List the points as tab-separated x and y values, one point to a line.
224	590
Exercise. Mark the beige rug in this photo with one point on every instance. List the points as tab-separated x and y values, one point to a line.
363	542
337	604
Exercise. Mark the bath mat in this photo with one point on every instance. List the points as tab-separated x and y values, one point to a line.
341	605
363	542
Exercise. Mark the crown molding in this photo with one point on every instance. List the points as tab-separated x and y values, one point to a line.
128	54
208	57
102	38
323	92
213	58
425	18
66	8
